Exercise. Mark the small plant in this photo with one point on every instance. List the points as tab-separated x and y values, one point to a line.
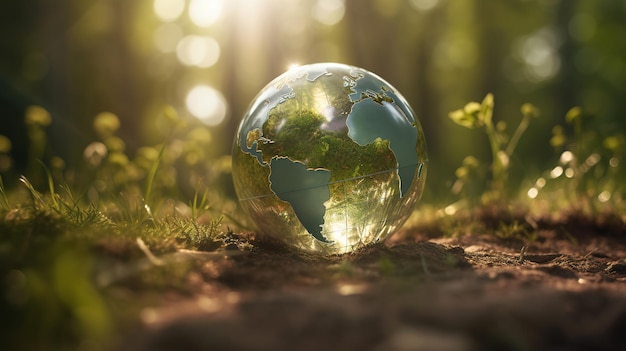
150	180
198	236
589	164
516	230
480	115
199	204
468	177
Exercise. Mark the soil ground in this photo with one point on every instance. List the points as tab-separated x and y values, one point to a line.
563	290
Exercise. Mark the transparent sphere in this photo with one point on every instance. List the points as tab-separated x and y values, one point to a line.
329	158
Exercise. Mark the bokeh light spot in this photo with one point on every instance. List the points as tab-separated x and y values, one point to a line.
328	12
204	13
168	10
195	50
566	157
540	183
604	196
538	53
556	172
207	104
423	5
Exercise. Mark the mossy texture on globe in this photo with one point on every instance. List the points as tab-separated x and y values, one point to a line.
329	158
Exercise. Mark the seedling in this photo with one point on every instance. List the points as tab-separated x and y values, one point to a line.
480	115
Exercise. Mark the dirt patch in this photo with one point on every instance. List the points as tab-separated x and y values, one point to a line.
467	293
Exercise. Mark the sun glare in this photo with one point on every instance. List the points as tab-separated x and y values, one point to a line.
293	66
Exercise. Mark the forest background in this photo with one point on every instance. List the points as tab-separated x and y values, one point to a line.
208	58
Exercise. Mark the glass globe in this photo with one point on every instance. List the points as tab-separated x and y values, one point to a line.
329	158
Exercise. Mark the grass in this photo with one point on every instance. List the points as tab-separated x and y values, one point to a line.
62	242
51	248
123	221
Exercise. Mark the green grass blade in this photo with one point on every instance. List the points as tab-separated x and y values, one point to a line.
35	195
151	176
53	195
4	199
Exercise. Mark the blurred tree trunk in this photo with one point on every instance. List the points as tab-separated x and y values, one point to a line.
566	85
54	18
127	74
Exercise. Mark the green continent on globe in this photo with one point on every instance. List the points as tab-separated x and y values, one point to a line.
305	189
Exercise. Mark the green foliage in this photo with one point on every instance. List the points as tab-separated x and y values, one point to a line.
468	180
190	234
516	230
48	254
480	115
58	233
588	169
48	282
585	178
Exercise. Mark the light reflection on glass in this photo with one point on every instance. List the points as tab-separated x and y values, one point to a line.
293	66
348	223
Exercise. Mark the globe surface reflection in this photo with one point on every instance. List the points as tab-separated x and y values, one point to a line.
329	158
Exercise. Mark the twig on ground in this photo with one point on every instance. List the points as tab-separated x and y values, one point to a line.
146	250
